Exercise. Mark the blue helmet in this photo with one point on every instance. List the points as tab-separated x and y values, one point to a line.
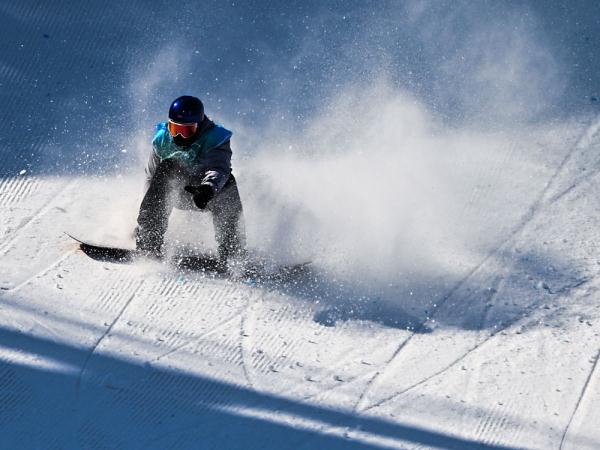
186	109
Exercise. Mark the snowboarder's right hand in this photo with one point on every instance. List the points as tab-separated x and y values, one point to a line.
202	194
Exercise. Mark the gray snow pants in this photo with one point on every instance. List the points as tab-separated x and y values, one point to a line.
165	191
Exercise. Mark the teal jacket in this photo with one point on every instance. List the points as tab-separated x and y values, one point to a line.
207	159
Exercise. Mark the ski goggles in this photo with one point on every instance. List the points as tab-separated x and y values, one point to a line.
185	130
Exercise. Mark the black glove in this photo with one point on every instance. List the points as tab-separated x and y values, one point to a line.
202	194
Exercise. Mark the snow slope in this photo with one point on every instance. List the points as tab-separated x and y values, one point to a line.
138	356
452	303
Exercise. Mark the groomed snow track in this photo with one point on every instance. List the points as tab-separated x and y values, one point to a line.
102	355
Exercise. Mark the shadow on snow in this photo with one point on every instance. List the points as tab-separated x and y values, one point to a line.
114	403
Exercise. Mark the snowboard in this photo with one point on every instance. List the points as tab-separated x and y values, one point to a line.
254	268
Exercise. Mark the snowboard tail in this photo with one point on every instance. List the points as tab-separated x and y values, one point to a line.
108	254
105	253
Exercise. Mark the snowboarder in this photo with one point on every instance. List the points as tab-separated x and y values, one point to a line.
189	168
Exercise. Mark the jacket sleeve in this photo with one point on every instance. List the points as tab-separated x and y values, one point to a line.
150	169
218	164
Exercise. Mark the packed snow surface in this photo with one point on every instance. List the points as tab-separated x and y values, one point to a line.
453	300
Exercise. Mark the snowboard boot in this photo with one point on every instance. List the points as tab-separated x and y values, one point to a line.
148	244
234	262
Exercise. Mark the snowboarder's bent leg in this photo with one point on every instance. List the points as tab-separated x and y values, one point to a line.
228	220
155	209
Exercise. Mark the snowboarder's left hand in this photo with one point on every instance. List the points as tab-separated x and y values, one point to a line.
202	194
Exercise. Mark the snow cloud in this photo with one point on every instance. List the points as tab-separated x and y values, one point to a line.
392	183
